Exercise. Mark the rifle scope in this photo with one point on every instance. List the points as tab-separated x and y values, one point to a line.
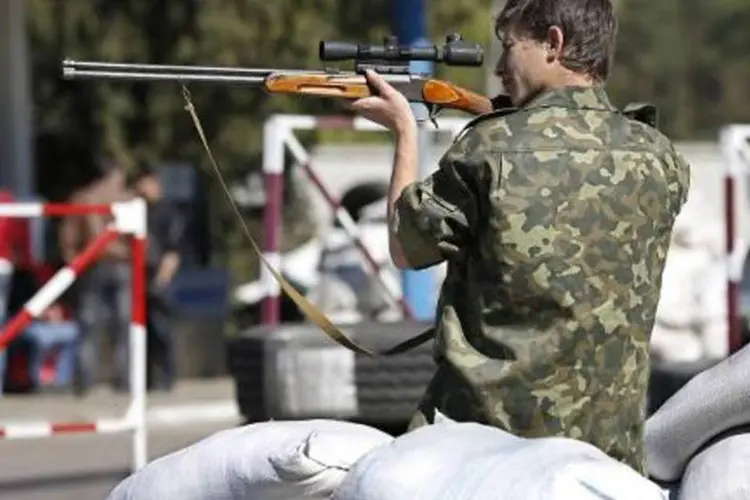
455	52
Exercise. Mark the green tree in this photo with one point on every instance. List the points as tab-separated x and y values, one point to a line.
690	58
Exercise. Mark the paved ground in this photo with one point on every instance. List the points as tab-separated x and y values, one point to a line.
88	467
81	467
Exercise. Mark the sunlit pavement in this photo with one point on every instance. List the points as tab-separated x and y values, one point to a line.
89	466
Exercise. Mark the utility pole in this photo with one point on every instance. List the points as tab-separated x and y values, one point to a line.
409	21
16	134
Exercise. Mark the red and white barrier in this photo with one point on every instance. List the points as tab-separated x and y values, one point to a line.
278	137
130	220
48	429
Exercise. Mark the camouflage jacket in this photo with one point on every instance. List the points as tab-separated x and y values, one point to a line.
555	221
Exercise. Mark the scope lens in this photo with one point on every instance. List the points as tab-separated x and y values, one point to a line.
463	55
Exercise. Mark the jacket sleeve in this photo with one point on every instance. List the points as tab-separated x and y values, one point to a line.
175	234
435	219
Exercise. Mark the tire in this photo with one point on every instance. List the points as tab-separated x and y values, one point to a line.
360	196
390	387
296	372
291	372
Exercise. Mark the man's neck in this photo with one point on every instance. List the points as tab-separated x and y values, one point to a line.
557	82
570	79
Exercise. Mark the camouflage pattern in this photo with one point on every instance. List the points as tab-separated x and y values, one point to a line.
555	221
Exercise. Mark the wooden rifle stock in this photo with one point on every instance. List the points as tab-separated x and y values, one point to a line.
347	87
433	92
447	95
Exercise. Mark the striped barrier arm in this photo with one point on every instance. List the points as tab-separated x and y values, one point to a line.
129	219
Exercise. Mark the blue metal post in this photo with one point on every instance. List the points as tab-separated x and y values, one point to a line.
409	21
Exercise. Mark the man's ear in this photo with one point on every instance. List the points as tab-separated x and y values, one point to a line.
554	43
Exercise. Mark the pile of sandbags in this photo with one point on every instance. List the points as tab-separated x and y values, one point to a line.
699	440
345	461
265	461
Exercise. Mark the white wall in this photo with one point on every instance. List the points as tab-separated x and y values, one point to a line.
344	166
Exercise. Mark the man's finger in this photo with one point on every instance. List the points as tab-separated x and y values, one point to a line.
364	103
378	82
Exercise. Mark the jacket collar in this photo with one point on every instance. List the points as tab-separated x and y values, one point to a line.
573	98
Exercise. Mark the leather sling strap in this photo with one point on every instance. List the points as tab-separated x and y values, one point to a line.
312	313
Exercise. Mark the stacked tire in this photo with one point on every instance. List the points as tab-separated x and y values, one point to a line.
294	372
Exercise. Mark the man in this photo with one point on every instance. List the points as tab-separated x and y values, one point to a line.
165	233
554	219
103	291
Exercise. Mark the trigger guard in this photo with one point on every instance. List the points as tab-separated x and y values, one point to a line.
432	112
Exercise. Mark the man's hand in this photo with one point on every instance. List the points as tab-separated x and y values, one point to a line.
389	108
167	269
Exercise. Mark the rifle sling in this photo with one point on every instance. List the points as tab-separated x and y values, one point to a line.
311	312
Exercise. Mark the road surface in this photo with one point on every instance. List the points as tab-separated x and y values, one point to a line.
87	467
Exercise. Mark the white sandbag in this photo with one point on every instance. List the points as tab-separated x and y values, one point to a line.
675	345
679	306
264	461
466	461
694	287
713	327
720	472
417	464
714	401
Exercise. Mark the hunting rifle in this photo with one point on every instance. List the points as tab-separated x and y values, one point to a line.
391	60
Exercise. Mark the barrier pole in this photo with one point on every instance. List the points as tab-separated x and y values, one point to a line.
734	143
278	137
131	218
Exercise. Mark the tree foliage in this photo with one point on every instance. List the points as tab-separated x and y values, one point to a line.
690	57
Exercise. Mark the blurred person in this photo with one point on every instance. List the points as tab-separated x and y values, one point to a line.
554	216
51	332
102	298
15	254
166	228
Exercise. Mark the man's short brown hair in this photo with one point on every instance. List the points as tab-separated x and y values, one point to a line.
589	28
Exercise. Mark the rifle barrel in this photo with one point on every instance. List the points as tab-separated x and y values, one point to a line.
73	74
163	68
169	72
